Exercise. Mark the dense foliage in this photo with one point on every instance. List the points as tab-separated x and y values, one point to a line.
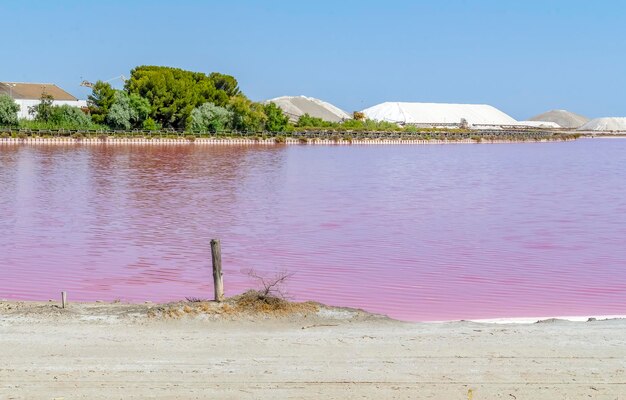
209	117
100	101
158	97
43	110
247	115
8	111
128	111
69	116
173	93
277	121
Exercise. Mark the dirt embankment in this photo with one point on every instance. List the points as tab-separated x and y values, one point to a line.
251	349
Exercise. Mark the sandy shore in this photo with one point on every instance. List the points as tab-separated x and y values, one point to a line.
118	351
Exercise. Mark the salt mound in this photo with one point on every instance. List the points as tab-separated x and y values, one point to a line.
296	106
437	113
540	124
564	118
605	124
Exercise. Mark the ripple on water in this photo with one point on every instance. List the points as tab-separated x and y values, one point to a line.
415	232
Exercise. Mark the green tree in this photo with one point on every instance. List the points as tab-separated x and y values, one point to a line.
247	115
277	121
43	110
139	110
8	111
312	122
226	83
127	111
209	117
150	125
173	93
100	101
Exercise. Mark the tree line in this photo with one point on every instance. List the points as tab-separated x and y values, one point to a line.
156	97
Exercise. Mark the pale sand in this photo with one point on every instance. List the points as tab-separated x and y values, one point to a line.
115	351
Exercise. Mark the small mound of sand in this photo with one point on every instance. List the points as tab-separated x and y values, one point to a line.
563	118
605	124
250	303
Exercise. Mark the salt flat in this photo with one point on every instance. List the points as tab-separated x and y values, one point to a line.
116	351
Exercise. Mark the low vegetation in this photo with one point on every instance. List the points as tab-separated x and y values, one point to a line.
269	300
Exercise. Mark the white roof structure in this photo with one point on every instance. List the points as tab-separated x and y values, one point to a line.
296	106
438	113
564	118
605	124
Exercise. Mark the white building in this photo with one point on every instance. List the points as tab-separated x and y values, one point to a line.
29	94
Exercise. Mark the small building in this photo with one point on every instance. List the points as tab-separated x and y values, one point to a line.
29	94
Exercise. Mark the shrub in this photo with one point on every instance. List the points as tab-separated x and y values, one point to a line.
69	117
151	125
276	120
43	110
209	117
8	111
248	116
127	111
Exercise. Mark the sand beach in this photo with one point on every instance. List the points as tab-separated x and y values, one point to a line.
124	351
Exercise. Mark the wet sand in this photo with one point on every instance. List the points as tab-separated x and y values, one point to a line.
118	351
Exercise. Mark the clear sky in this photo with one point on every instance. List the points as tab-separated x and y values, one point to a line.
524	57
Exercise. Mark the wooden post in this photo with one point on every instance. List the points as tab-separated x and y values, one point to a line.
216	254
63	299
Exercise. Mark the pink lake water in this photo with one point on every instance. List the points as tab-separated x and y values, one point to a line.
421	233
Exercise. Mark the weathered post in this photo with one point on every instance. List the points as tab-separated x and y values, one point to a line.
216	254
63	299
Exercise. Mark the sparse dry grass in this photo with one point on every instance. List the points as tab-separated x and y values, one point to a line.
251	303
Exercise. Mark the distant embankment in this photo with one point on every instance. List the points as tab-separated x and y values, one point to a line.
271	138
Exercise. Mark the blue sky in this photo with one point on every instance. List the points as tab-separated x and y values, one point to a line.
524	57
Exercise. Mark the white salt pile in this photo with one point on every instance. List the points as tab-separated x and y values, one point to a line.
296	106
539	124
605	124
437	113
563	118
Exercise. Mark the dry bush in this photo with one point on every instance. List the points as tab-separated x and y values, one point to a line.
196	300
271	286
268	300
257	302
